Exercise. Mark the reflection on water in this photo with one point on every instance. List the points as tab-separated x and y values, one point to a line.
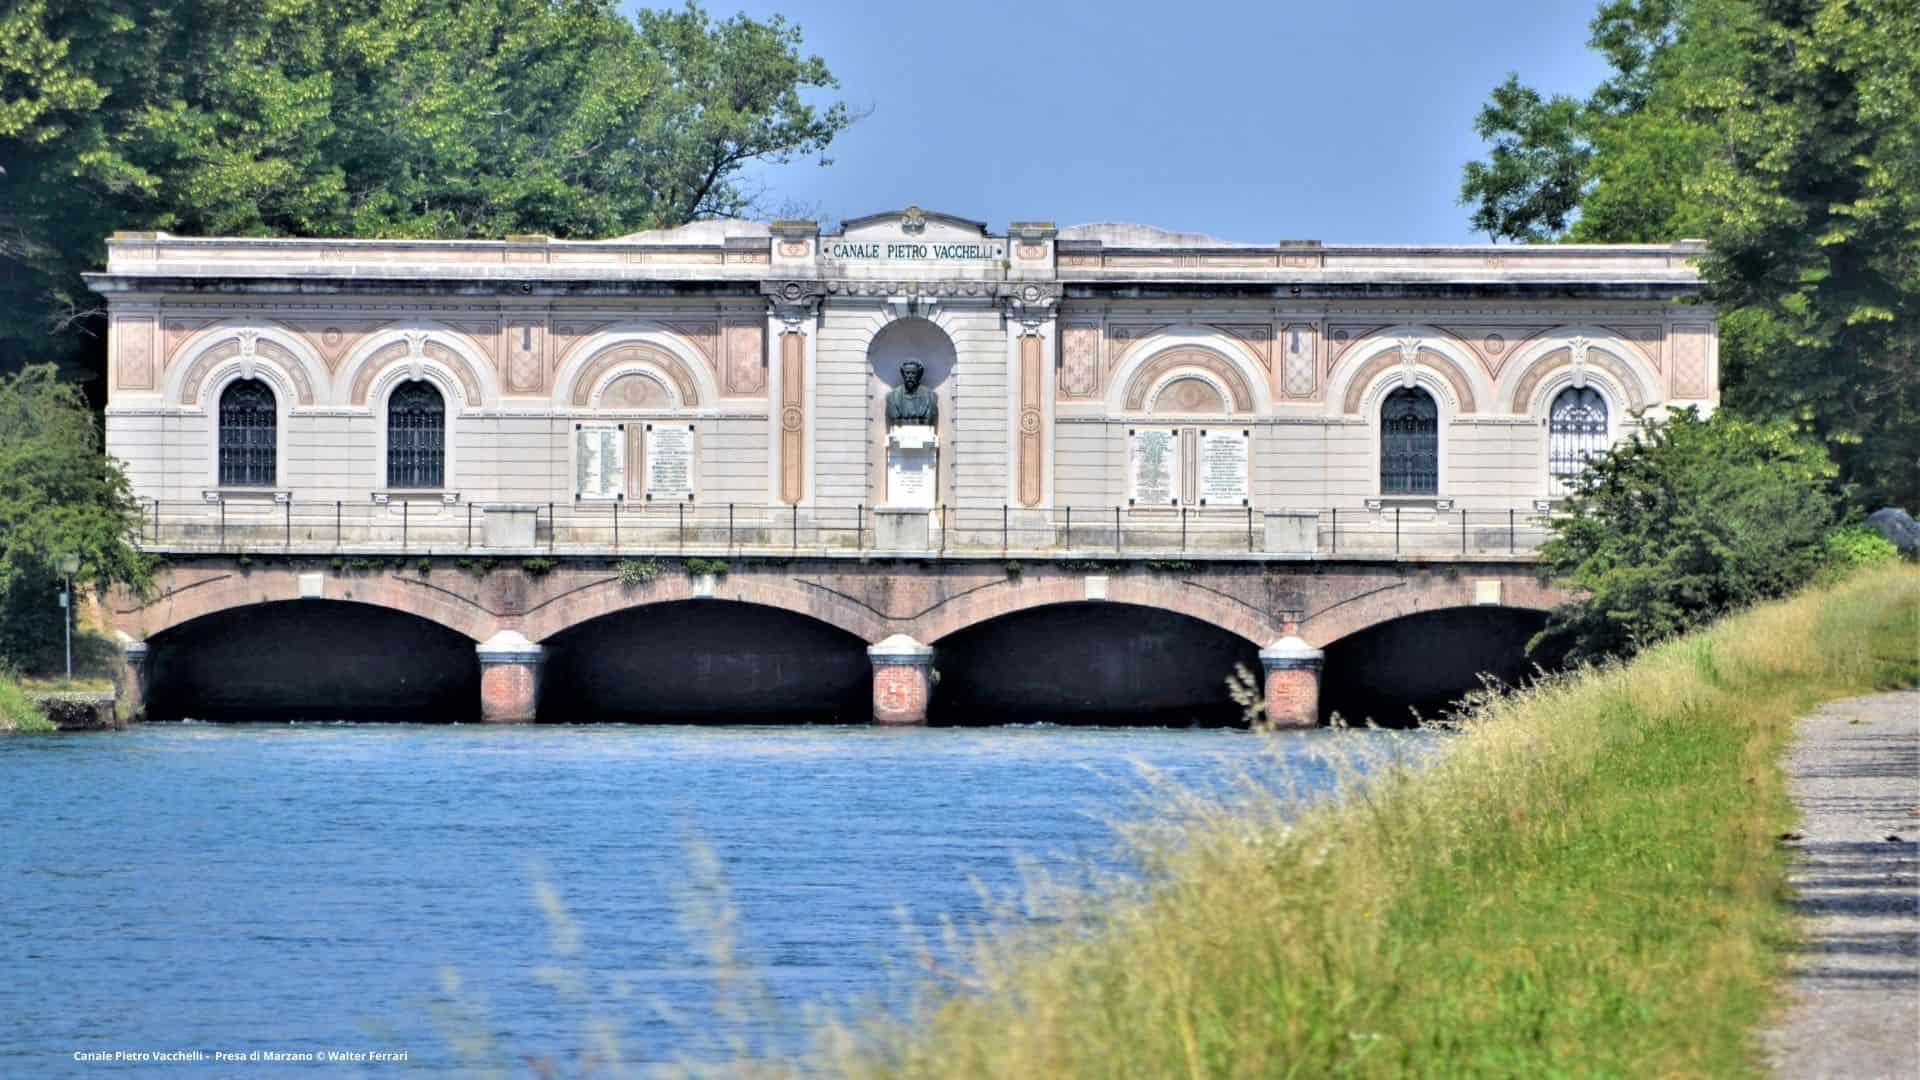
301	888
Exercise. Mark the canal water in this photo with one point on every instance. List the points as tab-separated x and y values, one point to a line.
310	888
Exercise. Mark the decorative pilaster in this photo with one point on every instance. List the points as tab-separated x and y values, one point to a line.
510	667
1030	322
1292	669
795	307
902	680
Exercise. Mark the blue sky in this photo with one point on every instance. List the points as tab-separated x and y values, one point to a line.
1340	122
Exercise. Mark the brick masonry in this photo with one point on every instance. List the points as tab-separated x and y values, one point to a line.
1293	697
509	693
901	693
1318	602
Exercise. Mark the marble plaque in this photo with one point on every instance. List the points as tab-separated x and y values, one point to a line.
1153	466
913	455
599	460
1223	467
669	462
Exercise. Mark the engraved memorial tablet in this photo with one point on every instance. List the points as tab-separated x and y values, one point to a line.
669	462
1223	467
599	460
1153	467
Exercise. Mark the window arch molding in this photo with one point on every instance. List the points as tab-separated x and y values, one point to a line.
671	350
1530	378
380	397
208	359
1147	370
365	376
211	395
1439	359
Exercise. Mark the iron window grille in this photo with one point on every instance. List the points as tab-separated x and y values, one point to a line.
416	436
1409	444
1576	432
249	430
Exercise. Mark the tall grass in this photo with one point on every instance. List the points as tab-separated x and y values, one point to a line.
17	710
1587	881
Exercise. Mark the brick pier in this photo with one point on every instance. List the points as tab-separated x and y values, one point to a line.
1292	669
510	668
902	680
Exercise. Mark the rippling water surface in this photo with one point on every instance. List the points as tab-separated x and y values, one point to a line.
304	888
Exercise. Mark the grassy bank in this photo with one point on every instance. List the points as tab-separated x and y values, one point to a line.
17	711
1587	882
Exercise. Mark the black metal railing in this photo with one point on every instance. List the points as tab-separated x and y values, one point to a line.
422	526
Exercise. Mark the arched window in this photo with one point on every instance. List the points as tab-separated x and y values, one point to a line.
1576	431
1409	444
249	434
416	436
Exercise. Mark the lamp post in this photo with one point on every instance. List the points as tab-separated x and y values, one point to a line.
69	566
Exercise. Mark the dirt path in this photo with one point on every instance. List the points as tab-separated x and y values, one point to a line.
1854	771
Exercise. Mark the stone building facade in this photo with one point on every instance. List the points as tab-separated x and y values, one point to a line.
1120	370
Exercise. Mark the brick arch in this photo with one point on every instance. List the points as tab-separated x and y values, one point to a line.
1421	594
1132	589
607	595
177	603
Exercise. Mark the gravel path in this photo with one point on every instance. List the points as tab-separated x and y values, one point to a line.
1854	771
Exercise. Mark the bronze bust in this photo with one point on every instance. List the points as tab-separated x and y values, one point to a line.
910	403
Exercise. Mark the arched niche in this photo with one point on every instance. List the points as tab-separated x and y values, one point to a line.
911	338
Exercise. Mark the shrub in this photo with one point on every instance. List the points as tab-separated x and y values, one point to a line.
716	567
638	571
1853	546
17	710
1689	519
537	566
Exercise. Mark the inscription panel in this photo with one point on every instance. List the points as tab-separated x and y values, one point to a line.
669	462
1153	466
599	461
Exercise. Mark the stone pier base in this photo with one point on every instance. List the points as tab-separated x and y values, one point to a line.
510	668
1292	669
902	680
131	681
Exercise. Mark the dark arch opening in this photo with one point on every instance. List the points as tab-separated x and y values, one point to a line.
1427	662
1089	663
706	662
312	660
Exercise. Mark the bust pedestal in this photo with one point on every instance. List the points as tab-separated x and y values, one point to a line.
904	521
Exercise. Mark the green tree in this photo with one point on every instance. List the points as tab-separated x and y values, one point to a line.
1684	522
59	496
1782	132
1814	207
428	118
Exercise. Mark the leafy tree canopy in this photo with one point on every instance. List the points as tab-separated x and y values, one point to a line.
59	496
410	118
1684	522
1783	133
